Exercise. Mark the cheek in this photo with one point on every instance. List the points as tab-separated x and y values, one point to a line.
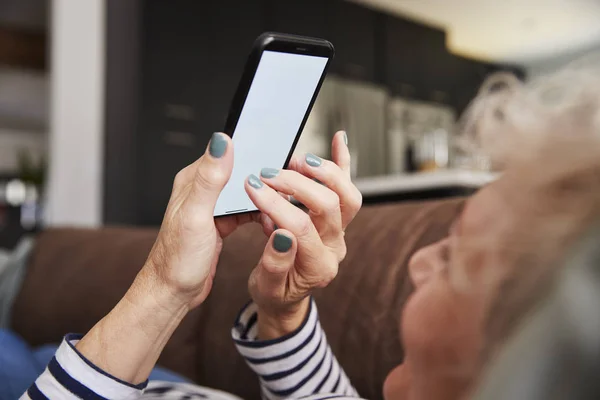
441	329
396	384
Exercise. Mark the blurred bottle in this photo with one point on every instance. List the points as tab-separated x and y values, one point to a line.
432	147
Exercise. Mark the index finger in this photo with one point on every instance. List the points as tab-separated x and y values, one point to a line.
280	211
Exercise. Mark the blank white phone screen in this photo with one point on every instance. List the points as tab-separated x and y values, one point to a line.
279	97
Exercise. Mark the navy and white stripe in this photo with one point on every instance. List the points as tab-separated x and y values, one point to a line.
298	365
69	375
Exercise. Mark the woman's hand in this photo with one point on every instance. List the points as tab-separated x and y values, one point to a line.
185	254
305	249
177	276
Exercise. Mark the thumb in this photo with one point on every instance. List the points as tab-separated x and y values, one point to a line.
213	171
277	260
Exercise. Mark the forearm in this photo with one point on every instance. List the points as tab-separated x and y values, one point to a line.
128	341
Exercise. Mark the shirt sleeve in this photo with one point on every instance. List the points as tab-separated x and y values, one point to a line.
69	375
298	365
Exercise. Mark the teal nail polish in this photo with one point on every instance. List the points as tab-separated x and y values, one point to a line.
218	145
255	182
269	172
282	243
345	138
313	160
275	227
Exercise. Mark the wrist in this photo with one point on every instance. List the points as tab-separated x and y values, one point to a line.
273	324
172	290
149	291
127	342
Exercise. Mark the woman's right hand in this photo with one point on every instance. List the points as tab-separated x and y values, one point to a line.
304	249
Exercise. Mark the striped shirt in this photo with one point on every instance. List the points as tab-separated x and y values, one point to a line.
300	365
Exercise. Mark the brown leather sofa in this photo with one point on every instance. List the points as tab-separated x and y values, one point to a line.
75	276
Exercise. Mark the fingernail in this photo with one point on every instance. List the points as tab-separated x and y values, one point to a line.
275	227
218	145
282	243
345	138
254	182
269	172
313	160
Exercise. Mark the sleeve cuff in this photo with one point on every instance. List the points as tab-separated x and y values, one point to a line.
297	364
245	334
83	371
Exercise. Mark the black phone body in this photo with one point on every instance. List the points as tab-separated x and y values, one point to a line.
279	86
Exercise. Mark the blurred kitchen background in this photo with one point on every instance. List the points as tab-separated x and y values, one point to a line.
103	101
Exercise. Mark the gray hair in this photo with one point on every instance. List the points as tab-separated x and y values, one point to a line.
508	114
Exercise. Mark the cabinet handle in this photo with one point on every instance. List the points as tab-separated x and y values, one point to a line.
181	139
182	112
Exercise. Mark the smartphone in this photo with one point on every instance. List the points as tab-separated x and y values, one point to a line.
278	88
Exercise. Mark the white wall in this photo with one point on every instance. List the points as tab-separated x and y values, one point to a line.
76	113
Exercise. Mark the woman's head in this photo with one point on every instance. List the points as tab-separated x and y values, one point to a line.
473	287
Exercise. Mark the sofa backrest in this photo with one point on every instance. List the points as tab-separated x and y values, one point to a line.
76	276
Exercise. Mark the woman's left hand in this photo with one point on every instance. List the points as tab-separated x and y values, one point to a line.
304	249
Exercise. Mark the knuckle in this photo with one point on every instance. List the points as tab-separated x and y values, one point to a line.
209	178
355	202
328	275
304	225
359	198
342	251
331	203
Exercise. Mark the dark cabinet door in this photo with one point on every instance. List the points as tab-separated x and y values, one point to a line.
468	76
402	43
353	33
192	59
298	17
435	77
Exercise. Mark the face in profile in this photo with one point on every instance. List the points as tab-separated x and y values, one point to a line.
456	280
473	286
442	321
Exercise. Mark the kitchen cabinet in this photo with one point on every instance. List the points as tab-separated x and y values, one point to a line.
434	75
299	17
173	66
353	33
405	53
193	60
